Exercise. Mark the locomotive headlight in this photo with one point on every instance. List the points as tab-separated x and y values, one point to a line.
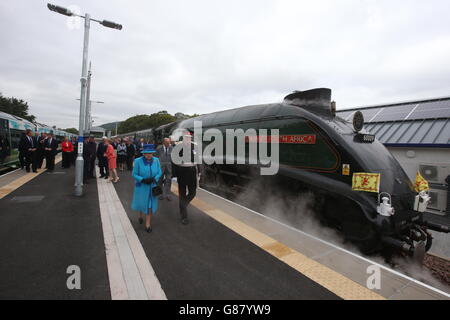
358	121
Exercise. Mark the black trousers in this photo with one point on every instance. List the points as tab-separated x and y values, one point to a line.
92	167
73	158
103	165
66	159
130	160
50	160
31	158
40	154
22	159
187	188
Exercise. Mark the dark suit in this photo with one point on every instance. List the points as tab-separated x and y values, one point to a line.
91	147
131	152
164	155
28	148
102	160
52	149
186	174
40	152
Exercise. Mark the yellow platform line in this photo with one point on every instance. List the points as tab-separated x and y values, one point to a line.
324	276
16	184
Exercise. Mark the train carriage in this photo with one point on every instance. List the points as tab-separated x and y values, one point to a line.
11	129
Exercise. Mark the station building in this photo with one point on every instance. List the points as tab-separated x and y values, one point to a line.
417	133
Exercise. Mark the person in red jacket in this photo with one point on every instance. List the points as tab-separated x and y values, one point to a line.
112	161
67	152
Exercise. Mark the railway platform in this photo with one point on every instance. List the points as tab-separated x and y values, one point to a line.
226	251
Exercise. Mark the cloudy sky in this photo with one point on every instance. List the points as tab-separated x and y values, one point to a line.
200	56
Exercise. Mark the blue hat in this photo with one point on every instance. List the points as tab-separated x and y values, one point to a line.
149	148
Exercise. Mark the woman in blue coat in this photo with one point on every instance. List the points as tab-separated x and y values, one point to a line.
146	173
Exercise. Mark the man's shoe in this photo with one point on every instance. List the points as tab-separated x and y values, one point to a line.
35	171
185	221
161	198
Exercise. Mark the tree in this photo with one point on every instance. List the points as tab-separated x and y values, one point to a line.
15	107
71	130
144	121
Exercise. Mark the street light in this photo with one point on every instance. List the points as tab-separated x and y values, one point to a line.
59	9
83	97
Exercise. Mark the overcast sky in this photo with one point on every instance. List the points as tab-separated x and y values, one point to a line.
201	56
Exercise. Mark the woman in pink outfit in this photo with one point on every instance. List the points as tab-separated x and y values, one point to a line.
110	154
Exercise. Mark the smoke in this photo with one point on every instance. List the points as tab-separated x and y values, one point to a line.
293	209
419	272
298	210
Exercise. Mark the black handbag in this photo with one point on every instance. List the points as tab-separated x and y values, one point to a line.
157	191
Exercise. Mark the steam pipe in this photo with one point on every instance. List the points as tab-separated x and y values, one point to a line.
436	227
401	245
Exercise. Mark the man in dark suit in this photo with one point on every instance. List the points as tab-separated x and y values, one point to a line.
131	152
186	174
28	147
102	160
40	152
163	153
91	147
50	149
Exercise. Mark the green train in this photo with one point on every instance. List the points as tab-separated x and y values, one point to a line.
326	156
11	130
323	155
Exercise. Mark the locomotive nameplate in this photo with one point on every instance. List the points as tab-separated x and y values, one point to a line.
288	139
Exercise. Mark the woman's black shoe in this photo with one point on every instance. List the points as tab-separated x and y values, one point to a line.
149	229
141	220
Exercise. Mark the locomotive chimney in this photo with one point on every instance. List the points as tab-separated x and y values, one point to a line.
315	100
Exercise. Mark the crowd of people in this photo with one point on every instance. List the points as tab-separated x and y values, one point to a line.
33	149
152	167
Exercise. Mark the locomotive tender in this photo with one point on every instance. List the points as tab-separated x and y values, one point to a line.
320	152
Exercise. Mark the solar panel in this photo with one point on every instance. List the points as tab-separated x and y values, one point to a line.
432	110
369	113
394	113
344	114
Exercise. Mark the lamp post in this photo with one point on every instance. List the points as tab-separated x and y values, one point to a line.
84	83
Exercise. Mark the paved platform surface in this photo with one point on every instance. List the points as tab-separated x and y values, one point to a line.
206	260
226	252
44	229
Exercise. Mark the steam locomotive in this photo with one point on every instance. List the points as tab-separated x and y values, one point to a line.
320	152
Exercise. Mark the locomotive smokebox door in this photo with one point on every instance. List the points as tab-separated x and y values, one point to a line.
358	121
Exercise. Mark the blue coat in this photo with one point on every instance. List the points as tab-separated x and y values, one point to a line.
142	198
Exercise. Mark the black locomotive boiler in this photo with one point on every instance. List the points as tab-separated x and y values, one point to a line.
321	152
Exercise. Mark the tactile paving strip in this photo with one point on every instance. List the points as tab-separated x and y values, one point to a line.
326	277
